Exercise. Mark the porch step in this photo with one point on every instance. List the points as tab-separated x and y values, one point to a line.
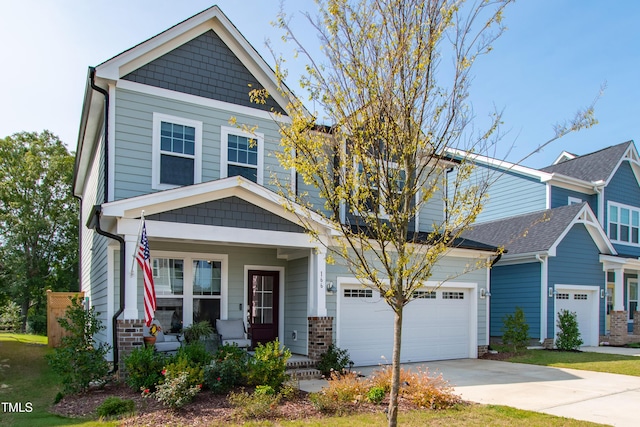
304	373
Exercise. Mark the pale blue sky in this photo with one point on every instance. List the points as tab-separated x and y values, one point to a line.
552	61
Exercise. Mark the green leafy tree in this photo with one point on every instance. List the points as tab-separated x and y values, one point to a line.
568	337
393	79
38	222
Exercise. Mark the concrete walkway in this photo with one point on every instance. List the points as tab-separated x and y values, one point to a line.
592	396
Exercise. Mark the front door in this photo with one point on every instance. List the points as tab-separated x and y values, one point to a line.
263	305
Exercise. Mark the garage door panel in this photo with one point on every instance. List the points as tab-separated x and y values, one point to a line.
433	328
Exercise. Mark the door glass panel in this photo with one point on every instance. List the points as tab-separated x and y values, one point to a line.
262	310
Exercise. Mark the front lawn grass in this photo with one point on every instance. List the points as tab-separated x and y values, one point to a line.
463	415
586	361
25	377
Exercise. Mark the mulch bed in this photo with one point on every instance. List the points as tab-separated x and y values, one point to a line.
206	408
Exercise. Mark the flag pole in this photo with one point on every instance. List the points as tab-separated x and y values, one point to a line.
133	255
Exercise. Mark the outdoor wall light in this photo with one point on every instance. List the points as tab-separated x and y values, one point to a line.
331	287
484	293
602	293
550	292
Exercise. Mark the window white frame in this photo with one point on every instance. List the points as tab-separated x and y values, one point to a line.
632	223
225	131
631	283
188	274
158	118
390	165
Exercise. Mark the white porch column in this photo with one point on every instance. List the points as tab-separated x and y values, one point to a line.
618	290
317	287
131	278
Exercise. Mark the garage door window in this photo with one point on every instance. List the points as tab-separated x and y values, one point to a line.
358	293
580	296
424	294
453	295
562	296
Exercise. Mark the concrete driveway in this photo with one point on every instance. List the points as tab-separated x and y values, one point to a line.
591	396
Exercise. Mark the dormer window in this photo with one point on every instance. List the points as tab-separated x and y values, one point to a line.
177	146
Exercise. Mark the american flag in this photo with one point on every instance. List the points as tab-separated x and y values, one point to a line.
149	290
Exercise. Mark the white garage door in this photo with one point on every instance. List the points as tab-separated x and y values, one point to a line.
436	326
585	304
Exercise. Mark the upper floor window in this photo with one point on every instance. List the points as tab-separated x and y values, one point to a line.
177	147
377	185
242	154
624	223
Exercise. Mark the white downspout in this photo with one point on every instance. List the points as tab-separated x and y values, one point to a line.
544	296
598	187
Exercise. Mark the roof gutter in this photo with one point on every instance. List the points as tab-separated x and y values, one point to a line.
92	82
94	223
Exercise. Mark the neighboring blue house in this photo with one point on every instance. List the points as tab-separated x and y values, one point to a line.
552	221
155	137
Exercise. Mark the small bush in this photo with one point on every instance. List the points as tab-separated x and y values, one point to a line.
227	370
258	405
376	395
568	337
79	361
195	353
176	390
268	365
195	374
342	393
10	319
334	359
115	406
144	368
515	331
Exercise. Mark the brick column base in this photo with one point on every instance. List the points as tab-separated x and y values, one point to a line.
636	323
320	336
129	338
482	350
547	343
619	328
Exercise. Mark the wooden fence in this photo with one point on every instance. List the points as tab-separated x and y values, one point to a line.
57	303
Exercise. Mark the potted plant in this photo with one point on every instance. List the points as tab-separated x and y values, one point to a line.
197	331
150	340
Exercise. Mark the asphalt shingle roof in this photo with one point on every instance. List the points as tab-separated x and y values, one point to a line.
591	167
527	233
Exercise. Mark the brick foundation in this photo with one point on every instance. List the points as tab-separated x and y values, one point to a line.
619	328
548	343
129	338
636	323
482	350
320	336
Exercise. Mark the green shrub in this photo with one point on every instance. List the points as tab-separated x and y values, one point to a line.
227	370
515	331
268	365
195	373
258	405
568	337
376	394
144	368
176	390
10	319
196	353
334	359
79	360
115	406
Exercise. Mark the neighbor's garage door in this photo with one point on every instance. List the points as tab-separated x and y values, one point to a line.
436	326
580	302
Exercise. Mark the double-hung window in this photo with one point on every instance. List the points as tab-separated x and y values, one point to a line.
624	224
177	147
242	154
377	185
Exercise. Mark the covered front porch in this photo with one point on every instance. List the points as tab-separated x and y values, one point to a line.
622	317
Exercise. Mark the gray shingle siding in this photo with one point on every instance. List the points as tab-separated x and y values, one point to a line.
205	67
228	212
